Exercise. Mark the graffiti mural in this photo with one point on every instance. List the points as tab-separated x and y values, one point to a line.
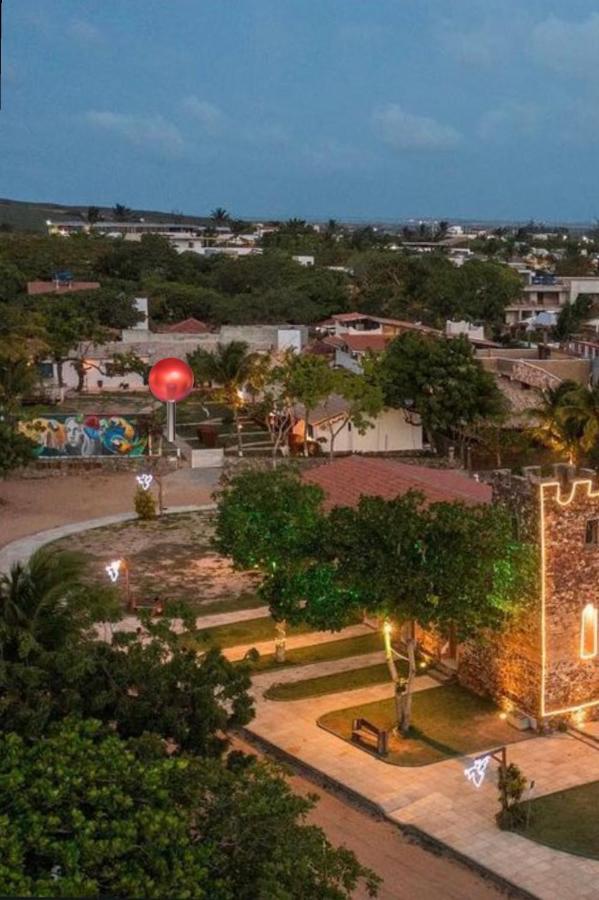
84	436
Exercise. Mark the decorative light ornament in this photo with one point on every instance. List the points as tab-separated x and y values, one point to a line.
170	379
144	481
113	570
477	771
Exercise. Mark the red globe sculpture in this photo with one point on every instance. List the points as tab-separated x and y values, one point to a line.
171	380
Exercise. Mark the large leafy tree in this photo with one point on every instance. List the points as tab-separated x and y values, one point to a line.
311	380
228	370
84	813
441	381
557	420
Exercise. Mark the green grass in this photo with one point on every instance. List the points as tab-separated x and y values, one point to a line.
446	721
248	632
231	604
567	820
329	684
339	649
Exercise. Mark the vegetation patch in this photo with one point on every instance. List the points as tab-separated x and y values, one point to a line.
247	632
339	649
446	721
334	683
566	820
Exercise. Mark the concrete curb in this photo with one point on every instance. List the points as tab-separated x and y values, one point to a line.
23	548
357	799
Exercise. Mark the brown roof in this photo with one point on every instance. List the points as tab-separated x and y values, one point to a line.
53	287
345	480
187	326
363	342
319	348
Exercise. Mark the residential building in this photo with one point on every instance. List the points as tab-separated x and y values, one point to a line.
549	293
391	431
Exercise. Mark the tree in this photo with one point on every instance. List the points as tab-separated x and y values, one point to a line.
85	813
311	381
441	381
230	368
572	316
461	570
553	425
269	521
364	401
93	215
16	449
580	412
121	213
12	281
220	216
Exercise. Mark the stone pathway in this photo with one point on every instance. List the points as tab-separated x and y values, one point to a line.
132	623
437	799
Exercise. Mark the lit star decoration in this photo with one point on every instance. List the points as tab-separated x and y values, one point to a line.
477	771
113	570
144	481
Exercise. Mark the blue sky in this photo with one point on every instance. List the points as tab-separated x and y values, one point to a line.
346	108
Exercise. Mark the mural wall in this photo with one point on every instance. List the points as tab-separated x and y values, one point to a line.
85	436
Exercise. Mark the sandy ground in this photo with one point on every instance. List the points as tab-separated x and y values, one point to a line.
29	505
409	871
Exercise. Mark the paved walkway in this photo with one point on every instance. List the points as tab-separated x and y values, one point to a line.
132	623
21	550
437	799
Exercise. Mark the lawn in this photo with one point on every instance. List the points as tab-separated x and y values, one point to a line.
247	632
329	684
340	649
447	721
567	820
172	557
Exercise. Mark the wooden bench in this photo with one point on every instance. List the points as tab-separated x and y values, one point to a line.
155	606
363	731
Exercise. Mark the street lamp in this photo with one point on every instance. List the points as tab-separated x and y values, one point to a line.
170	379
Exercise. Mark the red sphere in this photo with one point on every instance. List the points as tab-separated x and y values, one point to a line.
171	379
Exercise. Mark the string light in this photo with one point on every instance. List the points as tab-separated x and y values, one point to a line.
477	771
113	570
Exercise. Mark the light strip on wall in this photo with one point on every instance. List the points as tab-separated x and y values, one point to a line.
562	502
588	632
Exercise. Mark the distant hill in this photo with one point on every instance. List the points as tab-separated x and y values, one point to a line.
21	215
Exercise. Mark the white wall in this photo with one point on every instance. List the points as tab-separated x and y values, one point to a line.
92	376
391	432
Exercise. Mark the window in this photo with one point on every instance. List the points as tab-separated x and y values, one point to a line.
592	532
588	632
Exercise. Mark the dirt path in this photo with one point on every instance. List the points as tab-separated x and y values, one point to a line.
29	505
409	871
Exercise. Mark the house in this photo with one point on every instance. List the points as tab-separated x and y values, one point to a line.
186	326
392	430
545	665
351	348
549	293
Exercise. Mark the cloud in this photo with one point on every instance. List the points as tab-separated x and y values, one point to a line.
405	131
482	46
567	47
509	120
210	116
153	131
84	32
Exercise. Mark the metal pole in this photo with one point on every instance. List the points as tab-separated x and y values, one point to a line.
170	421
127	586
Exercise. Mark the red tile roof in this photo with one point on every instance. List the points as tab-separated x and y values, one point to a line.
319	348
345	480
187	326
53	287
362	342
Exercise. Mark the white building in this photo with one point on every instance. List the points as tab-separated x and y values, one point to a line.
549	293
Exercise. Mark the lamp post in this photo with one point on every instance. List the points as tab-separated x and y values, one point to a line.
170	379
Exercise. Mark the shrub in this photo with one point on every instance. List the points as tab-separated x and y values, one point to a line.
145	505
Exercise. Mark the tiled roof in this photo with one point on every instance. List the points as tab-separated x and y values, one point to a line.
53	287
363	342
187	326
319	348
345	480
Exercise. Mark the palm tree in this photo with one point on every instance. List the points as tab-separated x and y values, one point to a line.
121	213
581	409
93	214
230	368
45	602
554	425
220	215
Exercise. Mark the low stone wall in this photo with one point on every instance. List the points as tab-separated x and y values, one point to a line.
48	468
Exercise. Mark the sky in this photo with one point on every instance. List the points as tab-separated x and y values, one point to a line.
351	109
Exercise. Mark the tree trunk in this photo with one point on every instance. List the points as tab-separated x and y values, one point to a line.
331	444
79	368
59	372
238	429
281	641
405	718
306	412
394	674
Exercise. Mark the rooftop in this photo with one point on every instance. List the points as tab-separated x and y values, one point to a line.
58	287
345	480
186	326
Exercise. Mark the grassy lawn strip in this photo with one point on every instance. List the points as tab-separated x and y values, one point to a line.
302	656
447	721
329	684
230	604
248	632
567	820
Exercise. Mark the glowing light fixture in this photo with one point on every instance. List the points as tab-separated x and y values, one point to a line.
113	570
588	632
144	481
477	771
